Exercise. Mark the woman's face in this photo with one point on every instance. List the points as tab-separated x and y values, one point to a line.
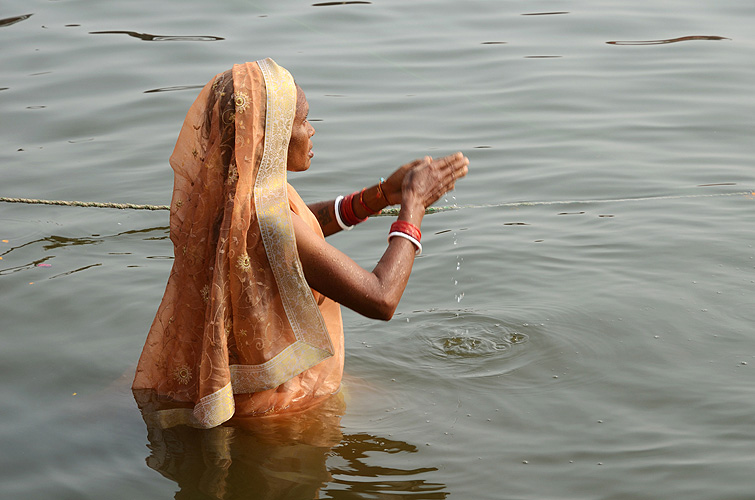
300	147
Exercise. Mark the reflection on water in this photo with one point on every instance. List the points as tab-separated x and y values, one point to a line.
75	270
545	13
286	456
330	4
669	40
159	38
13	20
358	451
173	89
53	242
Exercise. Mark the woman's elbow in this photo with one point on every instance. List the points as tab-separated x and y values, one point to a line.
382	309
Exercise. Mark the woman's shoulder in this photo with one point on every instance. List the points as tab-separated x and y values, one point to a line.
301	209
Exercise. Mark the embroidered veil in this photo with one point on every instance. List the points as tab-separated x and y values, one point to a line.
238	331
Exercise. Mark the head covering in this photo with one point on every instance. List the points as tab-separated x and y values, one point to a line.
237	316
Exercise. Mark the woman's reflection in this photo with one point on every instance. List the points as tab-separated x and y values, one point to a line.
279	457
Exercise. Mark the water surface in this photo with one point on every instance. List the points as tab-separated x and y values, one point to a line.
580	327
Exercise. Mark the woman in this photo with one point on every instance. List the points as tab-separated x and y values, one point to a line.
250	322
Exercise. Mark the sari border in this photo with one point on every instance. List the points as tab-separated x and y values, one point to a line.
313	342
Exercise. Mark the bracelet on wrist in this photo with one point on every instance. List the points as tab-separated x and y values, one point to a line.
364	205
380	193
347	211
408	228
408	231
337	207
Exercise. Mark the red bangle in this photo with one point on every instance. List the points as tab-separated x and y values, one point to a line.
349	217
380	193
364	205
401	226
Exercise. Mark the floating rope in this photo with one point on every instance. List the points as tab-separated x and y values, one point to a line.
87	204
388	211
131	206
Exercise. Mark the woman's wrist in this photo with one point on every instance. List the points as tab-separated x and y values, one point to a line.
408	231
369	201
412	210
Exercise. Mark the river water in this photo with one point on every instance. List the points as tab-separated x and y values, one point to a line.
580	326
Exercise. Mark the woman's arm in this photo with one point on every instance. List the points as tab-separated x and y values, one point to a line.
375	198
376	294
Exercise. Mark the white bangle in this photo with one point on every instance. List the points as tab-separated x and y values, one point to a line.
406	236
338	215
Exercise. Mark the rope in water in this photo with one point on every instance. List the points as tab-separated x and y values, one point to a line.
87	204
132	206
388	211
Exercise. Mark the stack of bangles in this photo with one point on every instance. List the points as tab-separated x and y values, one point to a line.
344	208
408	231
347	219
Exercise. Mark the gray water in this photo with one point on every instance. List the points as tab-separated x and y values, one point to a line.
580	327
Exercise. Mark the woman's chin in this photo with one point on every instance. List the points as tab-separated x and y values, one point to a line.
299	167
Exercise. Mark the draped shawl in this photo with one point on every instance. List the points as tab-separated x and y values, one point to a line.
238	324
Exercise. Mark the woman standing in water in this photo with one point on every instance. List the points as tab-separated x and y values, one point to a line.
250	322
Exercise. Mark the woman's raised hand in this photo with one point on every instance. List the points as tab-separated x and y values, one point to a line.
393	185
440	173
428	179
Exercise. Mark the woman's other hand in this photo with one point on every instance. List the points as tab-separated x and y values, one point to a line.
442	169
393	185
429	179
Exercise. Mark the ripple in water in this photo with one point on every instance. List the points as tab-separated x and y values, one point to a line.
147	37
468	343
668	40
477	345
540	348
13	20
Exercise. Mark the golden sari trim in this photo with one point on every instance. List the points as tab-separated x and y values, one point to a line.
271	200
215	408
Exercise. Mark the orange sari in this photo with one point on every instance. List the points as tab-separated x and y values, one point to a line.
238	331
